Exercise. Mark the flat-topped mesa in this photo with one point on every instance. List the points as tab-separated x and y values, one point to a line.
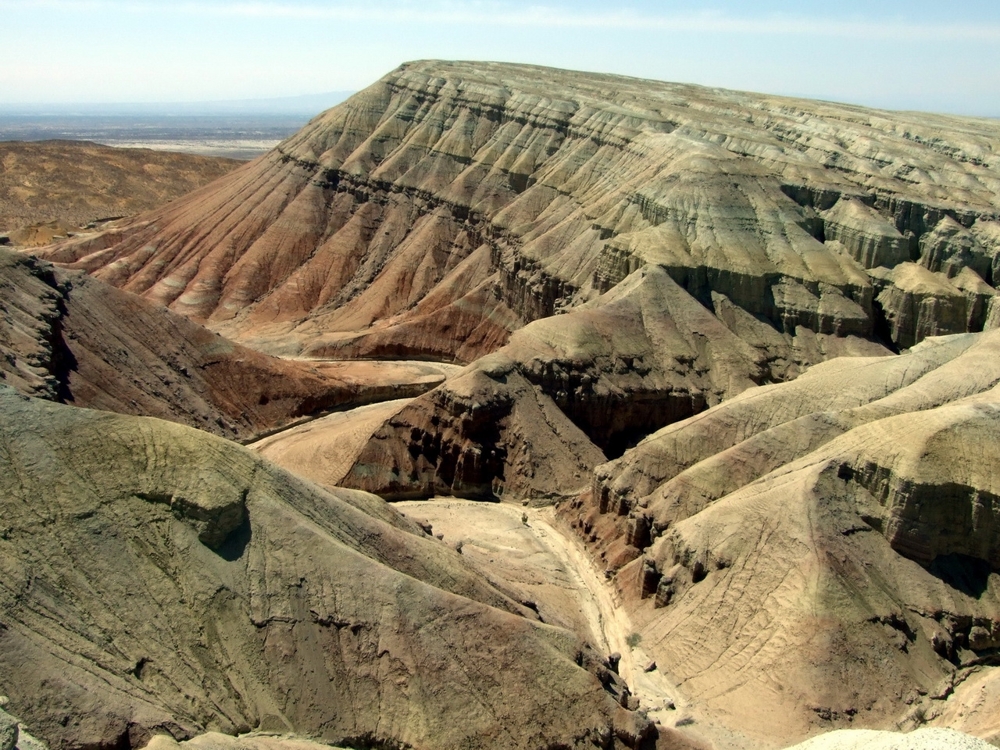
450	203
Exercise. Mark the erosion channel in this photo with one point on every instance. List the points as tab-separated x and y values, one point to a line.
527	553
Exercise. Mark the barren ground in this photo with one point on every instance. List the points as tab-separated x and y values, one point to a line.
51	187
323	448
541	562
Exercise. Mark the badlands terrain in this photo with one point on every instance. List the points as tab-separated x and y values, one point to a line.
55	187
576	411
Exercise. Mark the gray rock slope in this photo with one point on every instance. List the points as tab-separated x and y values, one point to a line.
154	578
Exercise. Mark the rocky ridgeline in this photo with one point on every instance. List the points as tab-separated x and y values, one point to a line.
540	189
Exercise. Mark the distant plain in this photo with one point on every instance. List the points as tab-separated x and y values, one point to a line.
241	129
234	136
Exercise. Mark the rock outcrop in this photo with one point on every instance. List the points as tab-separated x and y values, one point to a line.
451	203
970	706
156	579
67	337
918	303
9	731
532	420
828	545
485	433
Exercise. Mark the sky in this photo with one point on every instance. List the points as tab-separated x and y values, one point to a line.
932	56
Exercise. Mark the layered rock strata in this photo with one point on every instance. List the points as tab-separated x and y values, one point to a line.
532	420
67	337
828	545
450	203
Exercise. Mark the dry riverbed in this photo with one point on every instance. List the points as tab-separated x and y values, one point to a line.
527	553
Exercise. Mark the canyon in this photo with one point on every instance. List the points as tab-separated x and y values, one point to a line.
683	400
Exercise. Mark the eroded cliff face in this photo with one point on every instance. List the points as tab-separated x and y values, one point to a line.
73	339
832	539
451	203
532	420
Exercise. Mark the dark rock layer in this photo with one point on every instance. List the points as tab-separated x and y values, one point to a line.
451	203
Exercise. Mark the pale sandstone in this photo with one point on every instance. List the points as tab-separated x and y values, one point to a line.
810	554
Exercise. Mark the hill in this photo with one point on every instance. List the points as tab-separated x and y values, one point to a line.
451	203
70	338
828	544
49	188
744	343
156	579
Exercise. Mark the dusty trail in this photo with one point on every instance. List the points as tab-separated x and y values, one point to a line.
611	621
378	382
495	539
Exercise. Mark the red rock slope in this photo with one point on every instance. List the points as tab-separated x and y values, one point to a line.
450	203
71	338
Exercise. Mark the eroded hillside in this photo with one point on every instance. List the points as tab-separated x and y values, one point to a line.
49	188
156	579
829	544
632	271
70	338
450	203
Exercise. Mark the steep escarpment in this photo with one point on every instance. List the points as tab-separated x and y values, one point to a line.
451	203
532	420
156	579
828	545
67	337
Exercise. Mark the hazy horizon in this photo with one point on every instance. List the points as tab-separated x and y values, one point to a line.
290	105
916	55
